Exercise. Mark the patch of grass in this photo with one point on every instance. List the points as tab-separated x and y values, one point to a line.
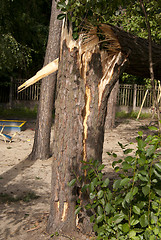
21	113
7	198
133	115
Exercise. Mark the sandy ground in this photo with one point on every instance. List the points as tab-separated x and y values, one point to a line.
25	185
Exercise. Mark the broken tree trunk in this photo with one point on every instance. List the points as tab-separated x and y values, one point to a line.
88	70
86	76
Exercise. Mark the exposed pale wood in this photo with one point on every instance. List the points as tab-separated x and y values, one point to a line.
45	71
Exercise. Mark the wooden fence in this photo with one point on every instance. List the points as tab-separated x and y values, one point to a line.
128	95
132	95
31	93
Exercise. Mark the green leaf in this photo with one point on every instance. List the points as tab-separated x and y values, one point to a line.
61	5
128	197
117	169
84	188
134	222
128	151
118	218
140	133
101	167
99	210
77	210
61	16
105	182
146	190
129	159
116	184
92	195
136	210
144	179
158	166
157	174
156	230
95	163
141	161
144	220
94	181
120	144
124	182
100	218
100	175
114	163
150	150
100	194
75	35
102	201
91	187
158	191
141	143
72	182
92	218
154	218
114	155
95	227
125	228
109	153
153	128
132	234
126	166
135	191
108	208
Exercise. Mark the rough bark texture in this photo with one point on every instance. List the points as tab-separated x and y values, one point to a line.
41	147
85	80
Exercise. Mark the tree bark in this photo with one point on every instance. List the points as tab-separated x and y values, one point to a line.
41	147
111	107
86	76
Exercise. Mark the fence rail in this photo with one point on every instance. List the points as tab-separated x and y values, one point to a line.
132	95
128	95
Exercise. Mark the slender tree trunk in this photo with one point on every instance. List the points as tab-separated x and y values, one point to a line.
86	77
111	107
41	147
151	69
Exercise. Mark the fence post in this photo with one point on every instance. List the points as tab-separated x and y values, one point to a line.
134	98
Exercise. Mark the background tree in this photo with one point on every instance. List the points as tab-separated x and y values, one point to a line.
23	30
41	147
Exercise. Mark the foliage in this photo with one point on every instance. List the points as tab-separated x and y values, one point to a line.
125	14
130	208
81	13
131	18
24	30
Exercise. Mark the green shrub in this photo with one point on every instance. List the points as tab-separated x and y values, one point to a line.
130	206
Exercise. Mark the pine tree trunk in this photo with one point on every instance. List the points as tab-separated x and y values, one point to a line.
84	84
41	147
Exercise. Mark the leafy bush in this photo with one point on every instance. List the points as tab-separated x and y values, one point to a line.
130	207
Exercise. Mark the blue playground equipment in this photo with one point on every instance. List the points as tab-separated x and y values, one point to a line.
10	126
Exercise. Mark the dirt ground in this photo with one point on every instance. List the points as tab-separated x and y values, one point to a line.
25	185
